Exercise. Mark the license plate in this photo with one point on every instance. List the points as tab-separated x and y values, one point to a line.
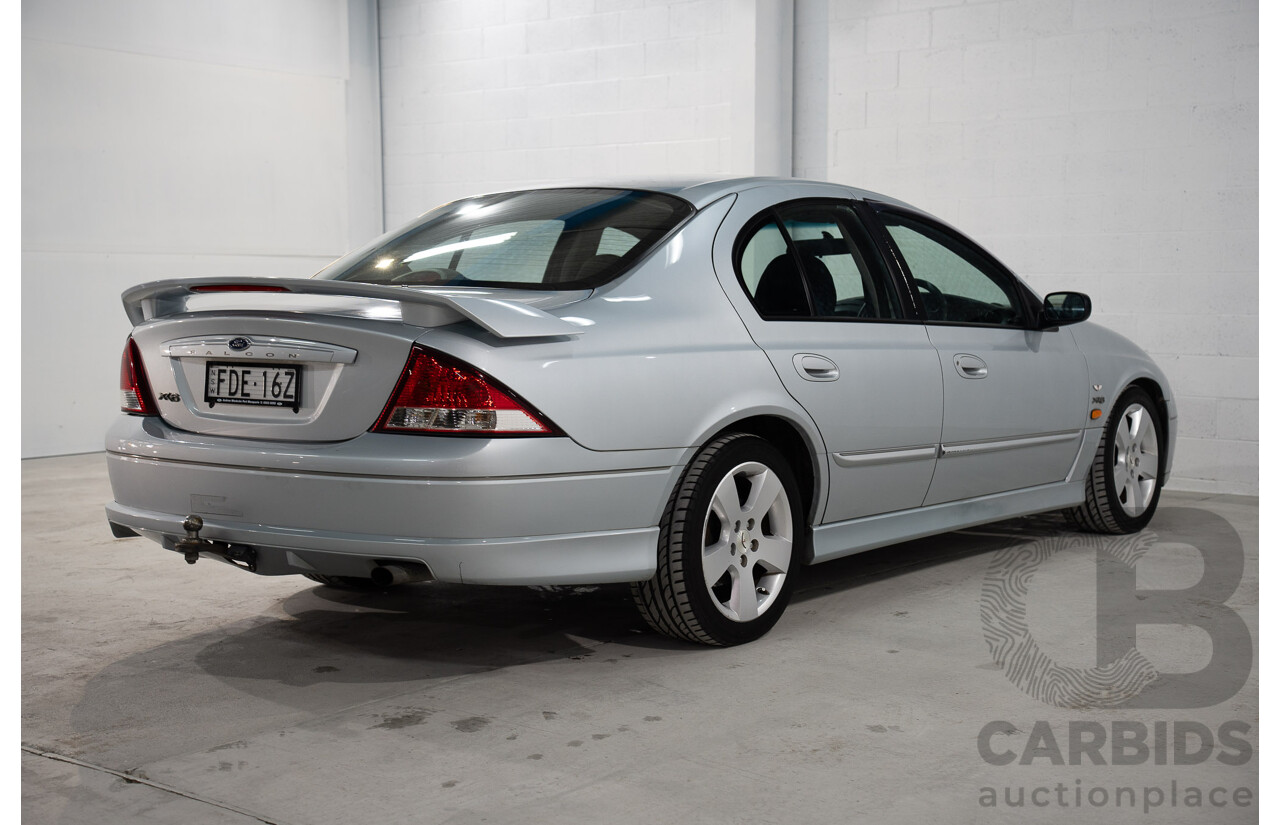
259	385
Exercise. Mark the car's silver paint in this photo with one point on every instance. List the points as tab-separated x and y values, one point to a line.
1035	384
702	193
1084	457
577	558
386	455
429	508
1114	362
833	541
659	364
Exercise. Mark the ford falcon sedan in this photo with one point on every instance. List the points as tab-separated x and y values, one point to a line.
696	388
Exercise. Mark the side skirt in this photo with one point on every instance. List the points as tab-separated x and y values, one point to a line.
833	541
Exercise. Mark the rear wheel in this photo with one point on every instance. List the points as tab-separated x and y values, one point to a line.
1123	486
729	538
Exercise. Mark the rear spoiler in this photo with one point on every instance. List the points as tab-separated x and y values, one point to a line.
502	317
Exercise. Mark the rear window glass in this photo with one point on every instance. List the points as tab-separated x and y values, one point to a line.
544	239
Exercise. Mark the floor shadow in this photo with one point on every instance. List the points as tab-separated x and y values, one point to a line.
334	649
905	557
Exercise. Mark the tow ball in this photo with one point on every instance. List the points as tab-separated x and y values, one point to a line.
192	546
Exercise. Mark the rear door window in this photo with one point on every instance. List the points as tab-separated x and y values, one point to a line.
815	260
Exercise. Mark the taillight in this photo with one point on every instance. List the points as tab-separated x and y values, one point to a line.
439	394
135	391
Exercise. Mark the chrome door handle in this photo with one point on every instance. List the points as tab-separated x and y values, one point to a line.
970	366
815	367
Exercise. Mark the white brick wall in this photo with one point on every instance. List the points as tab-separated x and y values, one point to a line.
1103	145
503	93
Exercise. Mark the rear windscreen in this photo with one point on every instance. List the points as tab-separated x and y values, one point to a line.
542	239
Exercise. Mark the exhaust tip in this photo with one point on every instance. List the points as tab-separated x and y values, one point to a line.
388	575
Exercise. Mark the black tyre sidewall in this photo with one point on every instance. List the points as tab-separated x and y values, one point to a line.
724	630
1130	396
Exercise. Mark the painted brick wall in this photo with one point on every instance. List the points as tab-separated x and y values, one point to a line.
1109	146
486	94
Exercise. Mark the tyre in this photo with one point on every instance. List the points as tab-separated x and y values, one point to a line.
344	582
729	538
1123	486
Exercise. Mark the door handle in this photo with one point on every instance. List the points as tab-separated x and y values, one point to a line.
970	366
815	367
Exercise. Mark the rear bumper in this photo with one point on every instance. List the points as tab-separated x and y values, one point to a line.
579	558
344	509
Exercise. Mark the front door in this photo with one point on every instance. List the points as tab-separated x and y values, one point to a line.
1015	397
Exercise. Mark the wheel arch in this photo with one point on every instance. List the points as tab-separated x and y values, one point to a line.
796	446
1152	388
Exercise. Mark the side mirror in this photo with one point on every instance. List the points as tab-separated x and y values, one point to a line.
1062	308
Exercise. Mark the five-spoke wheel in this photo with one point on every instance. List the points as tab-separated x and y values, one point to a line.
747	542
1135	459
1123	486
729	537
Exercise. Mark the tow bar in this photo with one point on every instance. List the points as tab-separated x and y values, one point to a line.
192	546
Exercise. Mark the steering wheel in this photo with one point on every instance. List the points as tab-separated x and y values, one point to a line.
857	307
933	299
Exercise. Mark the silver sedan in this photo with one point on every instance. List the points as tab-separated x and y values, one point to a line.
692	387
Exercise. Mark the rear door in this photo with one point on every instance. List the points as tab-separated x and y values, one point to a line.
1015	397
816	296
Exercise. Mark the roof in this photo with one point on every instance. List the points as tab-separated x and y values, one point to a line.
702	191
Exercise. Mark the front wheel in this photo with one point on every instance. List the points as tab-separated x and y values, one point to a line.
1123	486
728	541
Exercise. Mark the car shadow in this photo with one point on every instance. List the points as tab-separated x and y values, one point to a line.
333	650
431	631
905	557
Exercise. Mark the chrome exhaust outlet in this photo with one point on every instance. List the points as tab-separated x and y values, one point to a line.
392	574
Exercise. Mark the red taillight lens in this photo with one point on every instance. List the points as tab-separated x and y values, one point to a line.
439	394
135	391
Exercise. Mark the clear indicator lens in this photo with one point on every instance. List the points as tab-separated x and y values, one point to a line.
451	420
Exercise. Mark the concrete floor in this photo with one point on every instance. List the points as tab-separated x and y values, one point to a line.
153	691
